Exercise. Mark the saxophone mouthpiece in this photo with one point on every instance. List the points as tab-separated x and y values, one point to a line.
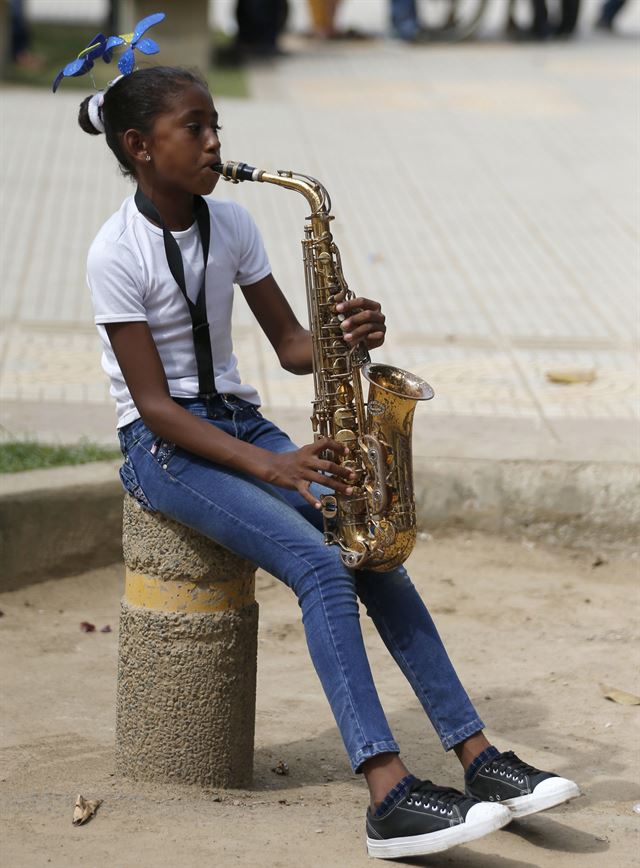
236	172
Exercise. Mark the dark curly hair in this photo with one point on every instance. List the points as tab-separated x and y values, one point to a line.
134	102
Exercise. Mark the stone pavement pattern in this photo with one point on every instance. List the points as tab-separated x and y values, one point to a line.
484	193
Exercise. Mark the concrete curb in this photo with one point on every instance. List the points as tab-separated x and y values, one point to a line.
574	504
59	522
67	520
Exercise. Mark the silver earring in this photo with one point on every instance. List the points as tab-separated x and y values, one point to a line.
148	158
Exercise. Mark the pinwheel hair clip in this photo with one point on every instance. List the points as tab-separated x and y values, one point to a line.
101	46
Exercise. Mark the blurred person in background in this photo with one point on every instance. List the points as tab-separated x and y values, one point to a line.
608	12
260	23
569	11
21	53
323	18
404	20
542	26
539	27
323	21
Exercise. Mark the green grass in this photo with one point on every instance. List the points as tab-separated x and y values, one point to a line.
18	455
57	44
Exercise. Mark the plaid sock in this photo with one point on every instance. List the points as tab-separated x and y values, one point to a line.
394	795
487	754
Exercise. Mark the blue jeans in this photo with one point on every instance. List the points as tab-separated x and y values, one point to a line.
404	19
610	9
279	531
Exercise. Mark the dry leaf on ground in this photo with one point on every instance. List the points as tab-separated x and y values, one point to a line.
568	376
619	696
84	809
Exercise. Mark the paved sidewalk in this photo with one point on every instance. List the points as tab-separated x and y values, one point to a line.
486	194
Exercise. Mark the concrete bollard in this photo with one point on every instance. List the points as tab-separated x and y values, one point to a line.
187	656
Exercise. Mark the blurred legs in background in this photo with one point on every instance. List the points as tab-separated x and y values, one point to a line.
323	17
21	53
569	11
404	19
608	12
19	30
539	27
323	21
260	22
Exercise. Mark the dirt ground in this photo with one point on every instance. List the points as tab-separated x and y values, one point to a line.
533	632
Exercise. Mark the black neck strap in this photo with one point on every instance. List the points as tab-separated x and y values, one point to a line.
198	310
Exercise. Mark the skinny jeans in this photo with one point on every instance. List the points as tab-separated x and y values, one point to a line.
280	532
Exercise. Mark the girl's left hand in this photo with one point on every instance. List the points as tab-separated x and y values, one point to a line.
366	326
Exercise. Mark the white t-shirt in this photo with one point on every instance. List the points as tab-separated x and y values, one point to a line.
130	280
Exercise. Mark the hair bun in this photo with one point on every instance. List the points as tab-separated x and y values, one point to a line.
84	118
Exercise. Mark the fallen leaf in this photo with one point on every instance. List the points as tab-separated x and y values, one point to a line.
87	627
570	376
84	809
619	696
281	768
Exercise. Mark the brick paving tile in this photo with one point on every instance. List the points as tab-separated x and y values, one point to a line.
483	193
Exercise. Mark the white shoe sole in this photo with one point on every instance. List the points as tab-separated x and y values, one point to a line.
482	823
562	791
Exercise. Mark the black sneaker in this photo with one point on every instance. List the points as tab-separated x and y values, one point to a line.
521	787
429	819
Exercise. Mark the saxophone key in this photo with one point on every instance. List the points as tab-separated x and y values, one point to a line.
344	417
377	497
329	506
344	393
353	467
346	436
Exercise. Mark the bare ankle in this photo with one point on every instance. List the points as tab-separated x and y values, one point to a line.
382	772
470	748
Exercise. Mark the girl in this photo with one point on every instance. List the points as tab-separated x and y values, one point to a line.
197	449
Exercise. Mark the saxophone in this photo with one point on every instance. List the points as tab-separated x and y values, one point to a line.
375	526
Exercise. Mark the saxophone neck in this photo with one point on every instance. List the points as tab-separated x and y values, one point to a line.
313	191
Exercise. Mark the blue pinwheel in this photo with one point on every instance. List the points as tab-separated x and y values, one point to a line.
134	40
96	48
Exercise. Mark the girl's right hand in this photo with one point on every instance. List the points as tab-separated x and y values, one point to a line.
297	470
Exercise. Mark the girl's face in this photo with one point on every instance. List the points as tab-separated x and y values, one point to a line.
184	144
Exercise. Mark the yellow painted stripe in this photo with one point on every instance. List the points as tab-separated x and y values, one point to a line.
181	597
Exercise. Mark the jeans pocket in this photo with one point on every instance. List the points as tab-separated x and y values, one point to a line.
163	451
130	481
